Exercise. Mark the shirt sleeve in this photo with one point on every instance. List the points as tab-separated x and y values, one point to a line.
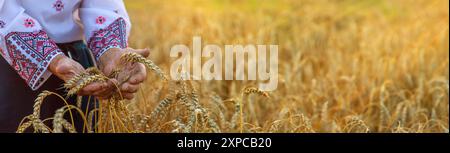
25	45
106	25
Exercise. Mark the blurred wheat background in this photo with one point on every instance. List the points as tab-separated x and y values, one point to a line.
345	65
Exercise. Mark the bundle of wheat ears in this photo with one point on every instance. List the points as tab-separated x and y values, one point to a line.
113	115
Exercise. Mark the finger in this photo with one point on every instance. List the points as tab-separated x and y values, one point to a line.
144	52
113	84
106	96
130	88
82	93
108	89
107	70
103	91
128	96
139	76
91	88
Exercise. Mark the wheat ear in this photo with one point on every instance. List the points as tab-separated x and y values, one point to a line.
134	57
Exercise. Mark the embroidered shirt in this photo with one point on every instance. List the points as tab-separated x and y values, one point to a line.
30	29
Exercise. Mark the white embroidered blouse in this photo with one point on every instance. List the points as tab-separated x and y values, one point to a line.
29	30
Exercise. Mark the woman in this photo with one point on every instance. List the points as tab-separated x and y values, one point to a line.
43	44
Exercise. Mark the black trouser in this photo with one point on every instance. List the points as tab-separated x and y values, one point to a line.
17	98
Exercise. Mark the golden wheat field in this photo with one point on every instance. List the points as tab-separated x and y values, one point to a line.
344	66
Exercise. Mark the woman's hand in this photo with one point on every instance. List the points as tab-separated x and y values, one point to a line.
131	75
66	68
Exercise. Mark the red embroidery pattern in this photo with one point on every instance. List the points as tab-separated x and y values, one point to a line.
29	23
29	54
100	20
58	5
113	36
